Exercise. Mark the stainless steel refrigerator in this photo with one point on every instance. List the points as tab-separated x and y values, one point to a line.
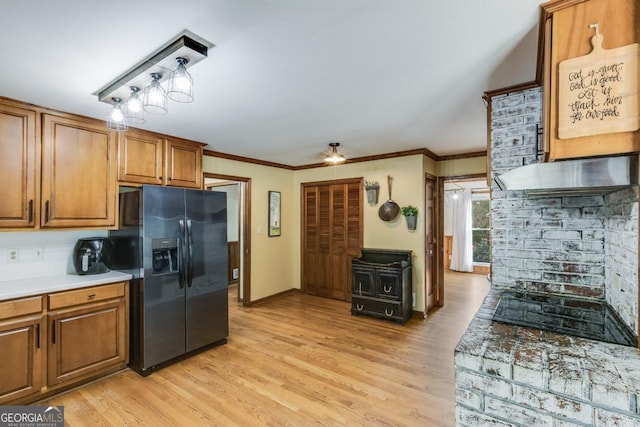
174	242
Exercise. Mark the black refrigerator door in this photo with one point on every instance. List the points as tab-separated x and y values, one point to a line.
207	287
163	317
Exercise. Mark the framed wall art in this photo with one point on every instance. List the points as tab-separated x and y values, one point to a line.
274	214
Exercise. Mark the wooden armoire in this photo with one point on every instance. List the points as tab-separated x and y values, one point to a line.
332	234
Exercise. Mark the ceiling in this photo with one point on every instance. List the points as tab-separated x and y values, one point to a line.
286	77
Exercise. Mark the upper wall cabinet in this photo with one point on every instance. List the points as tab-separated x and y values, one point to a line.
150	158
567	32
19	167
183	163
140	157
78	173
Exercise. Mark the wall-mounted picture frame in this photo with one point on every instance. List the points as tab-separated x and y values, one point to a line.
275	226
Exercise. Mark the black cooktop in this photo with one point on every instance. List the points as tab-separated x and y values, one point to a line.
564	315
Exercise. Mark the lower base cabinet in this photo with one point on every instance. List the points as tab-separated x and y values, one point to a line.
86	337
21	358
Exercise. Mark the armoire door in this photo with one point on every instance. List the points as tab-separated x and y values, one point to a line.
332	236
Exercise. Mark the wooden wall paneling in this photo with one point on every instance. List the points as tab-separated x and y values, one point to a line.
233	249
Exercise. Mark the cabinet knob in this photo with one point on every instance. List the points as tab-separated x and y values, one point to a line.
386	291
91	296
359	307
389	314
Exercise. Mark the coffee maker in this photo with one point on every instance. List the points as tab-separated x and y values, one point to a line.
92	255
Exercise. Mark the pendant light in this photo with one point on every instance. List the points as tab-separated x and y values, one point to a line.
334	156
133	107
116	119
154	99
180	85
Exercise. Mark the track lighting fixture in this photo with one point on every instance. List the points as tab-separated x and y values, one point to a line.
167	66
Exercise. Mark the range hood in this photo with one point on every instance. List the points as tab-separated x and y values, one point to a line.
591	176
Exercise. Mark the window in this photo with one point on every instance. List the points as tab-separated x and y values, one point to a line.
480	225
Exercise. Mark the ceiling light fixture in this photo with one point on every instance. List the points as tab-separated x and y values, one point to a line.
180	86
133	107
334	157
151	73
116	119
154	98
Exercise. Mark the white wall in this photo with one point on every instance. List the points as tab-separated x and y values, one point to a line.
233	209
56	247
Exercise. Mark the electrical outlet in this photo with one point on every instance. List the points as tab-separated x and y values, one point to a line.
13	255
37	254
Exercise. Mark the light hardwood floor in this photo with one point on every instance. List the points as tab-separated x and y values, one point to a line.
298	360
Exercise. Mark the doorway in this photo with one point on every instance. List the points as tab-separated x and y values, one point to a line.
466	221
432	292
480	180
239	235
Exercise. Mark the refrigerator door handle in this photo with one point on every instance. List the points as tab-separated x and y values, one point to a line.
190	243
181	257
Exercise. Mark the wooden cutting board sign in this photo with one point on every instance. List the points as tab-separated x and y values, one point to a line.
598	92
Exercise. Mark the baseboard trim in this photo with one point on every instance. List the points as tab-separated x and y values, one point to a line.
270	297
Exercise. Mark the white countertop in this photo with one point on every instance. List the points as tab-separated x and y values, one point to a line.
42	285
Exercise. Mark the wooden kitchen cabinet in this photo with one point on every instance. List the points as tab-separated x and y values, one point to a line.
22	354
87	337
565	34
183	163
78	173
150	158
88	332
19	167
140	157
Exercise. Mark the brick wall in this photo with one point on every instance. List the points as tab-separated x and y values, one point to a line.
586	246
512	376
621	254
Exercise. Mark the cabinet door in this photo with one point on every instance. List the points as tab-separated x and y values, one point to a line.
19	167
86	340
140	157
21	358
332	236
78	173
390	283
183	164
569	36
363	282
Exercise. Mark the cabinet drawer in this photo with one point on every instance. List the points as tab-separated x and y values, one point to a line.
86	295
378	308
20	307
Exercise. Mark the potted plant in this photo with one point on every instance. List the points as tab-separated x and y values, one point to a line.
372	188
410	213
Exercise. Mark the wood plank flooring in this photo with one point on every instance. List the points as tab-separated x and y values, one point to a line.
298	360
